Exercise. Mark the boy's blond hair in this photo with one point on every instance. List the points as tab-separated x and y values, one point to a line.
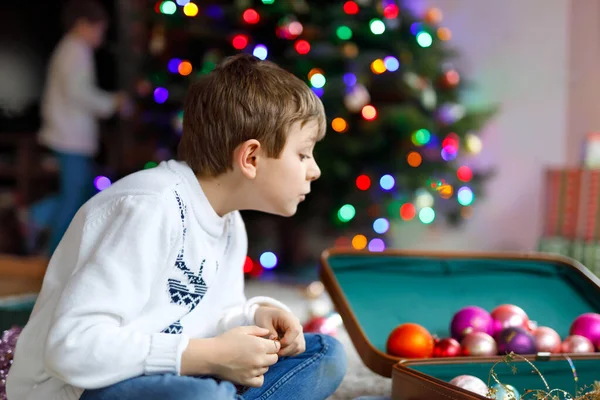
243	98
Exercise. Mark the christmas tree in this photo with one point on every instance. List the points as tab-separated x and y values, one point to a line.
399	141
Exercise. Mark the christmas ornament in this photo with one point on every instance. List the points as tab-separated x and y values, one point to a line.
470	383
508	316
471	319
446	347
505	392
327	325
577	344
411	341
547	340
515	339
478	344
356	98
587	325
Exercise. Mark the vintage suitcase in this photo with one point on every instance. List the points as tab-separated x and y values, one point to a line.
375	292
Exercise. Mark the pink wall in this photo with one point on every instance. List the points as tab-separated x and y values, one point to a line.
520	54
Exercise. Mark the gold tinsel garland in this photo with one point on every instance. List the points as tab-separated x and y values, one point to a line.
585	393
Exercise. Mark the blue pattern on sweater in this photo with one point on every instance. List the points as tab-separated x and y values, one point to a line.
190	293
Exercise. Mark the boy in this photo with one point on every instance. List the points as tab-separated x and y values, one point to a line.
71	105
144	296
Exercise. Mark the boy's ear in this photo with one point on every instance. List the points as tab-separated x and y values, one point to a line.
247	157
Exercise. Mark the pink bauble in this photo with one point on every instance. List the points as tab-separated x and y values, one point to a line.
478	344
547	340
471	383
471	319
587	325
509	316
577	344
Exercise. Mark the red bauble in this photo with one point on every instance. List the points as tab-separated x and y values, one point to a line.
410	341
447	347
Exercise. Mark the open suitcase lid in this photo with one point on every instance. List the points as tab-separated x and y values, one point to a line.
375	292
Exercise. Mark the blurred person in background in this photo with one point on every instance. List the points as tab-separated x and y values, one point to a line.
72	103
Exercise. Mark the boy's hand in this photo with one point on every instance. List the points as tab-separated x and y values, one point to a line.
243	356
284	326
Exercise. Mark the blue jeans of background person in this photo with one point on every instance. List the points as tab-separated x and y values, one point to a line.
312	375
76	187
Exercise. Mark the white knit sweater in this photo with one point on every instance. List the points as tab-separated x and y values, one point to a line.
144	266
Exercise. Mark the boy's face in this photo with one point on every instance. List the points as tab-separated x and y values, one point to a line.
93	32
285	181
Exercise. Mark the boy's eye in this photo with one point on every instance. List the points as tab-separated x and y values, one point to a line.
304	157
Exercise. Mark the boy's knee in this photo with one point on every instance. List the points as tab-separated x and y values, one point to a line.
334	361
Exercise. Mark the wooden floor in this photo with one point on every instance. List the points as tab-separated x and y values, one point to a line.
20	275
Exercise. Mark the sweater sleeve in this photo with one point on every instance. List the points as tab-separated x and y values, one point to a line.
240	311
80	85
122	249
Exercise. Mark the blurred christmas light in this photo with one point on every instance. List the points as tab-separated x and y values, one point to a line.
102	182
445	191
452	77
314	71
424	39
168	7
295	28
268	260
390	11
248	264
444	34
182	2
427	215
407	211
391	63
433	16
423	199
363	182
161	95
150	165
350	50
377	26
318	80
387	182
260	51
451	140
190	10
381	225
339	124
416	28
302	47
349	79
239	42
377	66
185	68
359	242
414	159
421	137
214	11
473	143
318	91
268	1
251	16
449	153
369	112
173	65
465	196
346	212
342	241
376	245
343	32
464	173
351	8
257	270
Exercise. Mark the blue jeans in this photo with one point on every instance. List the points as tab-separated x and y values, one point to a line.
76	187
312	375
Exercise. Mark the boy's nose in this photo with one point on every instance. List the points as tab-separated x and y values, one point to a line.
314	172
